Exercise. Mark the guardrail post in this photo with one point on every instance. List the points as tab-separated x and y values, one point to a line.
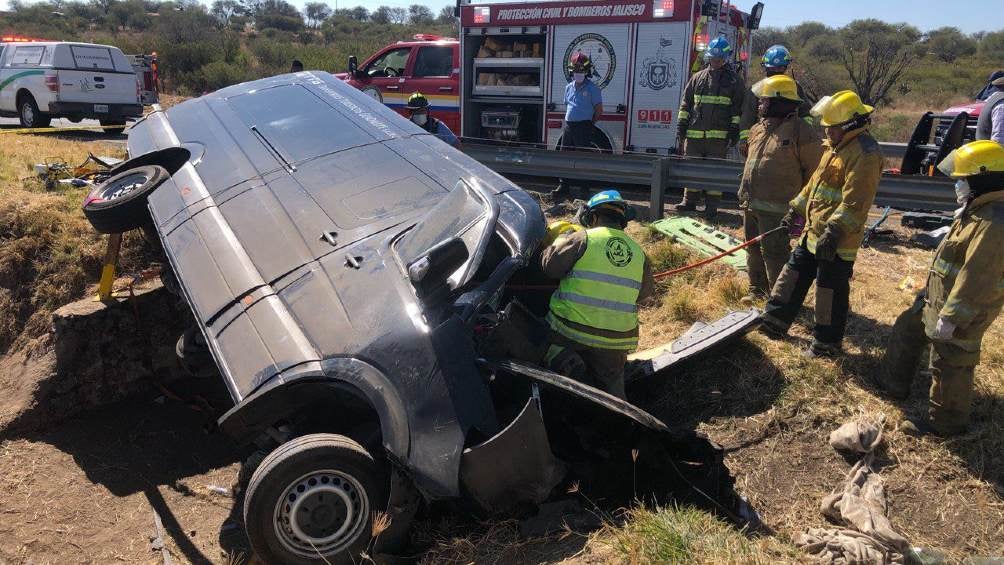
660	166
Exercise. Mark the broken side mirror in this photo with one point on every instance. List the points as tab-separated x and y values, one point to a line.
431	272
353	66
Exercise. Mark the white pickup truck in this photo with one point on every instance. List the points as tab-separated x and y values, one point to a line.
44	80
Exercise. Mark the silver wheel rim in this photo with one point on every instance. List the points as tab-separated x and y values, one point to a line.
322	512
28	114
121	187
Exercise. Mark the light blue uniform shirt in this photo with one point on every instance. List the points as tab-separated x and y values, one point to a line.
581	101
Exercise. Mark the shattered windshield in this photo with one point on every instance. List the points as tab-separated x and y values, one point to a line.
465	213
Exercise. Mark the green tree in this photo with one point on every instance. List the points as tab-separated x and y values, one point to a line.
992	45
359	14
224	11
419	14
446	15
316	12
379	16
948	44
876	54
278	14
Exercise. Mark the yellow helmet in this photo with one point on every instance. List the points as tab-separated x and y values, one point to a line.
777	86
840	108
558	229
974	158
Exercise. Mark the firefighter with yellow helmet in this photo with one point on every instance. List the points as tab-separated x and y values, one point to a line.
784	152
604	275
835	204
964	295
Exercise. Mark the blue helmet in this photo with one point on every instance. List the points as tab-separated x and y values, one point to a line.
608	199
718	48
608	196
776	56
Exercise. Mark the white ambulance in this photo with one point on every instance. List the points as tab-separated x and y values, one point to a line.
42	80
515	57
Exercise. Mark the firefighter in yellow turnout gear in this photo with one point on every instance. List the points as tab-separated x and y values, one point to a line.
964	295
594	313
709	118
784	153
835	204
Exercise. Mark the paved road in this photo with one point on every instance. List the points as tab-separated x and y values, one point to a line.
77	135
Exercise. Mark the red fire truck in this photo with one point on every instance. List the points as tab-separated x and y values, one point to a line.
515	55
430	64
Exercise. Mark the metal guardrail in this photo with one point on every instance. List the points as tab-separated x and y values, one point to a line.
893	150
909	192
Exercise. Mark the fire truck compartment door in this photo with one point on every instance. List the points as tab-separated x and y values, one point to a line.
607	46
660	75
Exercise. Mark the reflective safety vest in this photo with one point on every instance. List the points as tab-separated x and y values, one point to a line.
596	303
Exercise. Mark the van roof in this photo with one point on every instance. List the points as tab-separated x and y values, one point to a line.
48	43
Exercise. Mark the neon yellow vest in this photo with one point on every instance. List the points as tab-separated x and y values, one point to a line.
601	292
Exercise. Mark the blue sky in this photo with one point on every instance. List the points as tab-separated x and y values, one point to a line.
967	15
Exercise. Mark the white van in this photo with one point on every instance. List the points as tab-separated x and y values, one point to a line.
44	80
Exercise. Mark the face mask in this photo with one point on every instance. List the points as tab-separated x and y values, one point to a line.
578	77
420	119
962	191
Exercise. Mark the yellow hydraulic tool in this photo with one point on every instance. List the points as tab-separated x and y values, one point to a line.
108	267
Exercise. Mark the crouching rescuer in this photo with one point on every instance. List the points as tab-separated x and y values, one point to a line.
964	294
835	204
594	313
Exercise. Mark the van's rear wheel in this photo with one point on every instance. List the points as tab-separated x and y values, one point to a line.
312	501
30	115
119	204
113	127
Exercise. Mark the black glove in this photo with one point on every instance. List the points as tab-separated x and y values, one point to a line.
681	136
826	247
789	219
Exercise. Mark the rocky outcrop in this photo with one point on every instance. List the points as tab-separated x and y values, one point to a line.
95	354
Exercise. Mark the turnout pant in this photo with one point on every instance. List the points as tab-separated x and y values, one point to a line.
765	260
952	369
604	367
704	148
576	135
833	289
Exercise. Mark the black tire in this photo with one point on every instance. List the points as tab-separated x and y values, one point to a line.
119	204
282	487
29	114
112	126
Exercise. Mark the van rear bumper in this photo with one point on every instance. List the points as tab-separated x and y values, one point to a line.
86	110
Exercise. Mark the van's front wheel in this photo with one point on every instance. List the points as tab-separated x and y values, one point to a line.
312	501
30	115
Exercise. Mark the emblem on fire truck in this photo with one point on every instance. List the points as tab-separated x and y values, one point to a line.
600	52
659	71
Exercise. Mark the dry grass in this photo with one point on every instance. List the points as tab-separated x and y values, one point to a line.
686	535
49	254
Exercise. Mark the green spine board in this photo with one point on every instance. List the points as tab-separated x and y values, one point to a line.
702	238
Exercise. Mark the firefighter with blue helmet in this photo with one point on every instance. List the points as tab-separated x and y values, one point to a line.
775	61
709	118
604	275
